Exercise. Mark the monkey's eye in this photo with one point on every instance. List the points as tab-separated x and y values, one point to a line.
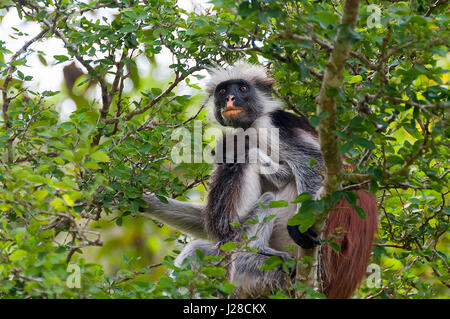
243	89
222	91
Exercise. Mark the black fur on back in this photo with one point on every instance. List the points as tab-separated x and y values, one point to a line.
288	121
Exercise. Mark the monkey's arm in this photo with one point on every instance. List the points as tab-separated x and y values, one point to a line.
234	190
187	217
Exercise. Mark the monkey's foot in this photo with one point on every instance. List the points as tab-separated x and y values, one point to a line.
306	240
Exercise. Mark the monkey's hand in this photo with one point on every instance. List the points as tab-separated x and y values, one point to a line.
277	173
306	240
320	193
266	164
267	251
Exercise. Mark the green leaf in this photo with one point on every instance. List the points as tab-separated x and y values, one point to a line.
278	203
60	58
355	79
162	199
361	213
302	197
42	59
323	115
345	148
200	254
213	271
335	246
100	156
252	221
271	263
351	198
373	187
91	165
128	28
314	120
18	254
305	217
363	142
34	227
327	17
228	246
226	288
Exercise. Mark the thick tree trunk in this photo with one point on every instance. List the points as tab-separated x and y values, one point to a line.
326	102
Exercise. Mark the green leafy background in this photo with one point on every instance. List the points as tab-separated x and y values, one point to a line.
70	189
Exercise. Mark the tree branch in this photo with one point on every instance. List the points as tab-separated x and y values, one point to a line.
326	101
8	78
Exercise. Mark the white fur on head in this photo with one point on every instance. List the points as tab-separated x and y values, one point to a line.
239	71
254	74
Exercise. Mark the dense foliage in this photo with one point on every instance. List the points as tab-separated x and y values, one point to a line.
62	181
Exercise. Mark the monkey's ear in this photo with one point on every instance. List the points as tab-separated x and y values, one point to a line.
266	84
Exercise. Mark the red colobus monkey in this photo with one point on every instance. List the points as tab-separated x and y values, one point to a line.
242	98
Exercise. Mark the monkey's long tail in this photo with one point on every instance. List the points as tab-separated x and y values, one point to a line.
343	271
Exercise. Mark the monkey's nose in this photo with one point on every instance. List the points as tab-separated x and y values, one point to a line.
230	98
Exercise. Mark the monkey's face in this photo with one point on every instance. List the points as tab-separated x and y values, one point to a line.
236	103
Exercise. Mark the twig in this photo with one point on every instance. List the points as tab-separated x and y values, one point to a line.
136	273
169	89
434	6
107	100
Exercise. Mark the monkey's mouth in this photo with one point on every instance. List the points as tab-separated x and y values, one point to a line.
231	111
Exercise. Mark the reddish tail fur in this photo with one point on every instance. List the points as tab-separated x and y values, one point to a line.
343	271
